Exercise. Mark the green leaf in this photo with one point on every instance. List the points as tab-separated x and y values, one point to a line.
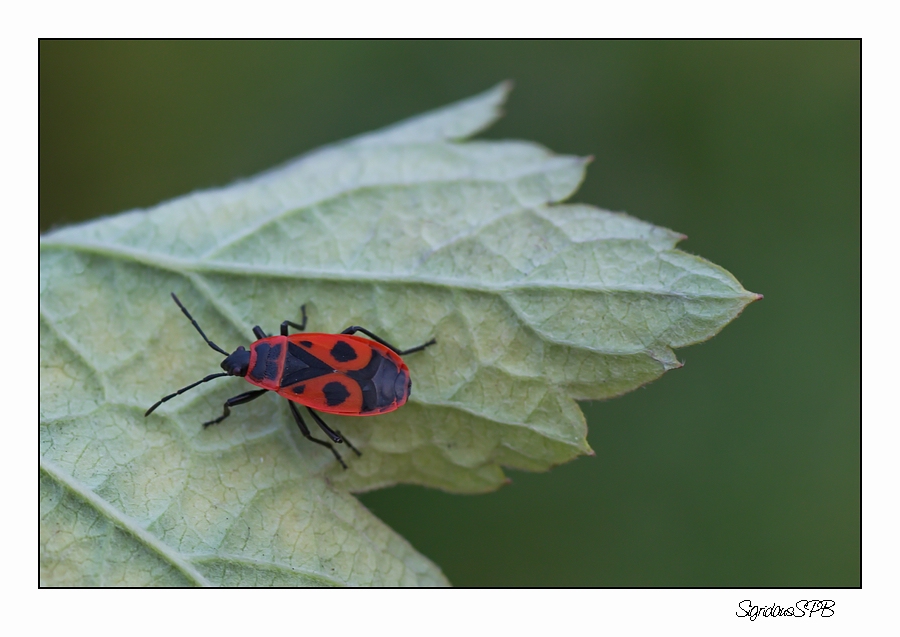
408	231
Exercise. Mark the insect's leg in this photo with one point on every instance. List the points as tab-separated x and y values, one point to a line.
353	329
305	431
334	434
301	327
240	399
258	332
417	348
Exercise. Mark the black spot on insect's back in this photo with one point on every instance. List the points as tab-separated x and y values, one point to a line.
298	389
306	343
343	352
335	393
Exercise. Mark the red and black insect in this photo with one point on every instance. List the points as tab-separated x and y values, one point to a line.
334	373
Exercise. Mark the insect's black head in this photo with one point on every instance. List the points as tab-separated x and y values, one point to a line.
237	363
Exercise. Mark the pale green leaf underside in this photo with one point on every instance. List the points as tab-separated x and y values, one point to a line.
408	231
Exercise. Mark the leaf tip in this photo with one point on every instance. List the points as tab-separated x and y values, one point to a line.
502	91
750	297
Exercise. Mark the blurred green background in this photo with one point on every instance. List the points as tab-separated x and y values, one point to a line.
740	469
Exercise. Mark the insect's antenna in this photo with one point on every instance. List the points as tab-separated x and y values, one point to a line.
183	389
188	314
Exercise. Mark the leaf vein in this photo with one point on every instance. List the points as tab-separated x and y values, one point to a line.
123	522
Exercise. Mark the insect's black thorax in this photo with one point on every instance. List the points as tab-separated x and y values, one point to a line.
265	367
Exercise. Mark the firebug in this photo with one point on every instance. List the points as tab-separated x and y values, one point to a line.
332	373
